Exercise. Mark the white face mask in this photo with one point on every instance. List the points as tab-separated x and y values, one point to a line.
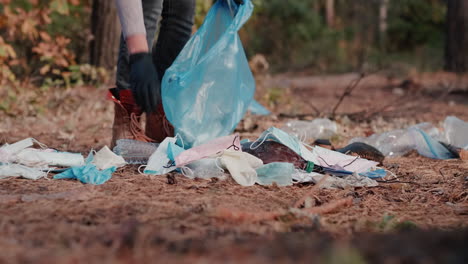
8	152
241	166
105	158
17	170
37	157
159	162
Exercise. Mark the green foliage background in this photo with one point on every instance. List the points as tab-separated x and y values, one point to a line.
293	35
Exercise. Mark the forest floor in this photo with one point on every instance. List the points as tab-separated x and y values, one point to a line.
134	218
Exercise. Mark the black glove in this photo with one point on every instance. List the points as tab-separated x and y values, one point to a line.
144	81
239	2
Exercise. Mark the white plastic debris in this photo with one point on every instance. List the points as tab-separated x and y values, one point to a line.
37	157
456	132
105	158
307	131
17	170
332	182
241	166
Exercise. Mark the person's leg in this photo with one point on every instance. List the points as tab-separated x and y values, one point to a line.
126	114
175	31
151	13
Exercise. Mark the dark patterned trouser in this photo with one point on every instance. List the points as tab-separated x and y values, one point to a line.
175	28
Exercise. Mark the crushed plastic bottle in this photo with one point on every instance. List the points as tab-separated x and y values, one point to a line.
134	151
308	131
456	132
422	137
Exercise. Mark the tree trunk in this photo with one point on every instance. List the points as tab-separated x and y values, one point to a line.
330	8
456	46
383	22
105	29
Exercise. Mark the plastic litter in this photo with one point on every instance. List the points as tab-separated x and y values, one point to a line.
204	169
212	148
427	146
17	170
7	151
134	151
456	132
241	166
339	161
209	87
272	151
332	182
276	172
308	131
422	137
257	109
88	173
105	159
159	162
38	157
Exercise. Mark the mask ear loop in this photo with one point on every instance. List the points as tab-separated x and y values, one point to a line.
41	145
187	172
178	136
252	147
139	169
218	159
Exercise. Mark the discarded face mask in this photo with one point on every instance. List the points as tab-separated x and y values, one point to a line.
88	173
279	136
17	170
159	162
37	157
105	158
241	166
276	172
210	149
204	169
8	151
339	161
271	151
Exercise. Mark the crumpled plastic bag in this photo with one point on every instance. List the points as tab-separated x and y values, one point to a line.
241	166
88	173
332	182
257	109
209	87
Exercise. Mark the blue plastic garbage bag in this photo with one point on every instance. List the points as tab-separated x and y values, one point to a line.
88	173
257	109
209	87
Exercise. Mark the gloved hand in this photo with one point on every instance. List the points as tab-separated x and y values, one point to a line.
239	2
144	81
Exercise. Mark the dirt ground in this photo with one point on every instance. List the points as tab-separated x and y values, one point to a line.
134	218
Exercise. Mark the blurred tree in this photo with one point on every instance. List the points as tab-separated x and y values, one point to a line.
383	22
456	48
105	30
330	5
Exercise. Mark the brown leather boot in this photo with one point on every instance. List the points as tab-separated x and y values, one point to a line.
157	125
126	117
